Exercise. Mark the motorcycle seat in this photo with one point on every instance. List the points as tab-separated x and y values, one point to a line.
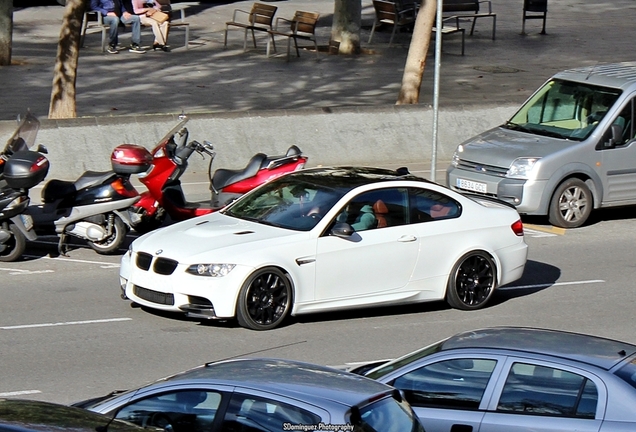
224	177
54	189
92	178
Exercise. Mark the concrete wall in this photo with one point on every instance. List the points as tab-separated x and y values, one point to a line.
339	136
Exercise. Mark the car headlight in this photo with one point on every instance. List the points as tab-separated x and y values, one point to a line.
213	270
455	159
521	168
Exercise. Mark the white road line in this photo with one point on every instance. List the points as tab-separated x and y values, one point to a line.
14	272
100	263
19	393
545	285
64	323
538	234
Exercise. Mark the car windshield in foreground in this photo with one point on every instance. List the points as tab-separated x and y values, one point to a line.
289	204
387	415
407	359
564	109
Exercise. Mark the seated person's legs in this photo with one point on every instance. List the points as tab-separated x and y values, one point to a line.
113	23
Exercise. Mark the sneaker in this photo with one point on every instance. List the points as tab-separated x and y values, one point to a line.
112	49
137	49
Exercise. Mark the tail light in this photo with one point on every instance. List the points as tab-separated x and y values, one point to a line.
124	188
517	228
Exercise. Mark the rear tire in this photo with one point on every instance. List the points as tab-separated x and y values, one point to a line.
472	281
571	204
111	244
15	246
264	300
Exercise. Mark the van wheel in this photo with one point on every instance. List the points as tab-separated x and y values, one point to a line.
571	204
265	299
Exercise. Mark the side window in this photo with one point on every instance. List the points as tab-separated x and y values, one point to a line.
456	383
427	205
533	389
189	410
626	121
376	209
247	413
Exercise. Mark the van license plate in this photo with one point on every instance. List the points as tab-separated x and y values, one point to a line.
471	185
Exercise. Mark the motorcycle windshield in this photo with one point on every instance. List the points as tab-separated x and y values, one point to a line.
24	136
184	119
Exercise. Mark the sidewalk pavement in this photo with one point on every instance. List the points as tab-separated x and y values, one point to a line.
209	78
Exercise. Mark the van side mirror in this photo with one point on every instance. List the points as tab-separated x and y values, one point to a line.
615	136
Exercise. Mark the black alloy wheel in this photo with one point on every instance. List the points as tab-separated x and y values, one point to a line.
264	300
472	281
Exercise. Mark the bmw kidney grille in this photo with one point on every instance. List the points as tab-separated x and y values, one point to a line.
162	266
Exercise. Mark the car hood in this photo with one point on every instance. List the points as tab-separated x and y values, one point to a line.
500	147
216	231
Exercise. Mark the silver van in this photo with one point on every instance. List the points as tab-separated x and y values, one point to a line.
570	148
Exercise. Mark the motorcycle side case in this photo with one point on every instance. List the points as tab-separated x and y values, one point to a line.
130	159
25	169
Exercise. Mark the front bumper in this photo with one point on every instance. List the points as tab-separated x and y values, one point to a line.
525	195
196	296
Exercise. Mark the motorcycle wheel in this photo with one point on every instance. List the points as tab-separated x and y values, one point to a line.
111	244
14	247
150	223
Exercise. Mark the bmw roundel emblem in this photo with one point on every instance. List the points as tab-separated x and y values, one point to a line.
159	252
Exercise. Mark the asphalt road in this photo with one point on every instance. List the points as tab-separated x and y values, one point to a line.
66	335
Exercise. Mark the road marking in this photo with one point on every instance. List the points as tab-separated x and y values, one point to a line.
539	230
100	263
545	285
14	272
65	323
20	393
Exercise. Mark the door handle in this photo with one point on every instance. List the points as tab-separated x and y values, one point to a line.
461	428
407	238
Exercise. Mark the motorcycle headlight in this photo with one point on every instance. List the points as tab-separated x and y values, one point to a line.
521	168
212	270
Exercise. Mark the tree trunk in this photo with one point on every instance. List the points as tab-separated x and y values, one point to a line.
65	74
6	31
416	58
345	30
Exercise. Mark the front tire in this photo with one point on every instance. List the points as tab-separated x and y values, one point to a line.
111	244
14	247
571	204
472	282
264	300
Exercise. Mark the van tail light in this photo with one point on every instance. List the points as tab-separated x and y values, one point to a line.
124	188
517	228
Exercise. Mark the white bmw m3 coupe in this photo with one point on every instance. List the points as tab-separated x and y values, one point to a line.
327	239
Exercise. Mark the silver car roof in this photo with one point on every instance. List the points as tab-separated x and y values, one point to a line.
601	352
302	381
617	75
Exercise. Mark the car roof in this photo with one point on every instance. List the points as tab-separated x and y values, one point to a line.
601	352
303	381
349	177
21	415
617	75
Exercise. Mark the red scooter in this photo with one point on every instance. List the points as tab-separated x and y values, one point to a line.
170	160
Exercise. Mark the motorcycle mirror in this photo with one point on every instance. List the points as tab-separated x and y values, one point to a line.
42	149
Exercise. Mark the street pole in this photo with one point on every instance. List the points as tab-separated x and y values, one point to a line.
438	64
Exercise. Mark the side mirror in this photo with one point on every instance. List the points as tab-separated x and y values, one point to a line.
615	136
42	149
342	229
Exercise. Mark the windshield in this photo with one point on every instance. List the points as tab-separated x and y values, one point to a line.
387	415
24	136
564	109
409	358
289	202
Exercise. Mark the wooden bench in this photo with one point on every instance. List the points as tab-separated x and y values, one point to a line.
450	29
389	12
93	20
301	26
260	18
469	9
